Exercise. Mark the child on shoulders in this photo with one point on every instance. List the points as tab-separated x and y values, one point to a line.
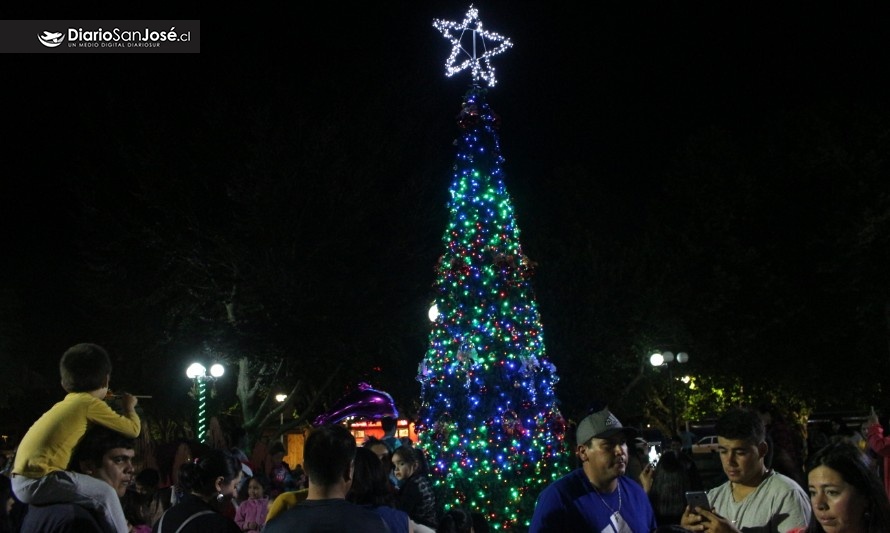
39	473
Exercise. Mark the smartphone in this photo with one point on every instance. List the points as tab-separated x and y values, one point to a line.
654	456
698	498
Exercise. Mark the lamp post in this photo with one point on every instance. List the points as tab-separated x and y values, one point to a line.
665	359
198	373
280	399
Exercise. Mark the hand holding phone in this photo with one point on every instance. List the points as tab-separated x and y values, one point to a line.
698	498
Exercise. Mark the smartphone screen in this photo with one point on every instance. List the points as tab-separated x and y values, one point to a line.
653	456
698	499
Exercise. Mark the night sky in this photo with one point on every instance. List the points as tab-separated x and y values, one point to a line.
597	108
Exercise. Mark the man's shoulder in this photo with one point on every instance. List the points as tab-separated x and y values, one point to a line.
571	483
720	489
631	486
333	513
782	484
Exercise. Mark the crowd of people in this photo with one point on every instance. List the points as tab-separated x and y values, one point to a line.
839	491
74	471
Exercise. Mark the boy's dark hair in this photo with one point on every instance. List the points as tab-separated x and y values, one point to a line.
741	424
327	454
388	424
95	444
84	367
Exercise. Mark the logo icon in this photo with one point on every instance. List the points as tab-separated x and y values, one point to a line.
51	39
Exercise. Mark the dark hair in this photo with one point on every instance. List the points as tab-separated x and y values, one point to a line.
95	443
846	459
327	454
137	508
200	476
413	455
670	482
369	483
276	447
388	423
741	424
408	454
456	520
149	477
374	441
84	367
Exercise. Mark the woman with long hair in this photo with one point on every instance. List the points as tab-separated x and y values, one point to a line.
846	494
670	481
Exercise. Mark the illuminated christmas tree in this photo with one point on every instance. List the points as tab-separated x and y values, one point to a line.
489	418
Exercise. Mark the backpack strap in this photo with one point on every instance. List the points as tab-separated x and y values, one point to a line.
189	519
184	523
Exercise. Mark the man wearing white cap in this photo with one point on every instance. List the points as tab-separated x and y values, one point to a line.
597	497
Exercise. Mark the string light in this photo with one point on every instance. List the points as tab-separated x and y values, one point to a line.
489	416
479	65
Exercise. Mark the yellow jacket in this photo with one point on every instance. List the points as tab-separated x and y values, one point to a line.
285	501
48	444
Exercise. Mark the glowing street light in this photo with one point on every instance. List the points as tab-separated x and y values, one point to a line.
198	373
665	359
280	399
433	313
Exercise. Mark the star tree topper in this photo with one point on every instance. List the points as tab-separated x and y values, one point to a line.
480	65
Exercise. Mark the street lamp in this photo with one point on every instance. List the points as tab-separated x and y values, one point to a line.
433	313
198	373
280	399
665	359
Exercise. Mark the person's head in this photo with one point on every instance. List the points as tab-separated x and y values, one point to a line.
670	482
85	367
741	444
107	455
388	424
380	448
406	462
328	455
147	481
602	446
255	489
369	482
766	411
676	444
213	476
456	520
276	452
847	495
